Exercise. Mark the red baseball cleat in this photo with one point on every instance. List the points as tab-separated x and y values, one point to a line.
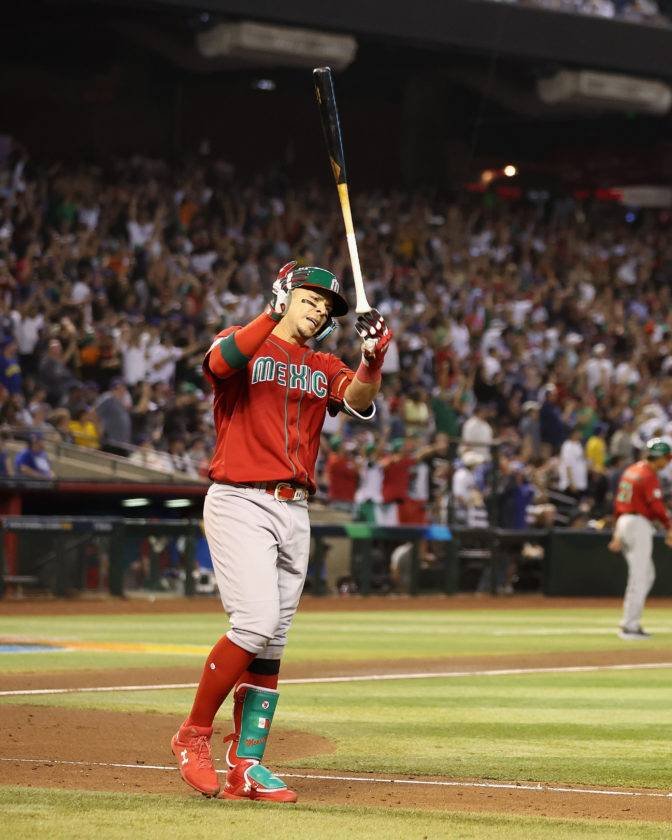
191	747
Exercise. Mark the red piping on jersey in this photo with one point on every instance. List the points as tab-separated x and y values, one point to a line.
289	361
298	431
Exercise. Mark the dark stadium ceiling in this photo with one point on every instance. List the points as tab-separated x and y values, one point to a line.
500	65
505	28
430	99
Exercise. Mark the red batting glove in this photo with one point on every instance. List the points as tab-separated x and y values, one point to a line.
284	271
376	337
277	306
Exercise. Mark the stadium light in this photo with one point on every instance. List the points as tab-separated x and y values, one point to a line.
177	503
263	84
510	170
283	46
135	502
613	91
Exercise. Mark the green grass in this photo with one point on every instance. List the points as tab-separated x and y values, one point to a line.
383	635
61	815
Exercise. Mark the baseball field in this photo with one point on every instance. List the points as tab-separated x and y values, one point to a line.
444	717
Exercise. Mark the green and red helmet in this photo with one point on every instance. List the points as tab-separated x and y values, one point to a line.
312	277
658	448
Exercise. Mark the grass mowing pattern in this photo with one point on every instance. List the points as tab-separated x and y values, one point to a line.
603	728
63	815
351	636
607	729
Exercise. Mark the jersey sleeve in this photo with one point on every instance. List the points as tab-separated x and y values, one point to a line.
338	385
209	375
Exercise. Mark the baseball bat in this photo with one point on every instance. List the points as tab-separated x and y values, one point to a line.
331	125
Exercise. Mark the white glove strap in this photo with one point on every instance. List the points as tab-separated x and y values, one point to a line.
351	411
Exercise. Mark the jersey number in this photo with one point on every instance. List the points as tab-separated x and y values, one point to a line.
624	492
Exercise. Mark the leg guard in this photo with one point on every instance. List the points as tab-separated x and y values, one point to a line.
247	778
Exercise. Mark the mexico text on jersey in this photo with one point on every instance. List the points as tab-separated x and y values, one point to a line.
283	394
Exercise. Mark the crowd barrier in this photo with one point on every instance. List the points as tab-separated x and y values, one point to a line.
67	555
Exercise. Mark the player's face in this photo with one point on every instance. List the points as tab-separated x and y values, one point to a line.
309	311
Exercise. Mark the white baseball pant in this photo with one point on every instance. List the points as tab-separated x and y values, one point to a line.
259	548
636	535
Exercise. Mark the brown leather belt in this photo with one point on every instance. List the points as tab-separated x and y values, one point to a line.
283	491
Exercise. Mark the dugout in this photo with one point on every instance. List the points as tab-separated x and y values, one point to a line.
65	556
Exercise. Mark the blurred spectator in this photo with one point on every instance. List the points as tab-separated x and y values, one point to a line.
530	430
369	495
133	342
33	461
177	458
147	456
28	324
553	428
596	449
417	414
113	410
573	467
53	371
621	443
599	369
10	370
59	420
477	434
342	474
84	429
468	503
6	460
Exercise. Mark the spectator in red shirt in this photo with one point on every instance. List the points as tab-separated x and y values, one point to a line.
396	480
398	469
342	474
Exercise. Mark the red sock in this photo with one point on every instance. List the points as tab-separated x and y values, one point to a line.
222	671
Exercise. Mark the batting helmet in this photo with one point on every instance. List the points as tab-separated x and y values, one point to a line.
657	448
312	277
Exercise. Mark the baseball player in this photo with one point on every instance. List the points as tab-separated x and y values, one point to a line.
272	392
639	503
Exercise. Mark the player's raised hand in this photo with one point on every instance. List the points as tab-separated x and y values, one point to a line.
376	337
277	306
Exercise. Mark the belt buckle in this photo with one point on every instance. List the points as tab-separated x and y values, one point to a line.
286	492
282	488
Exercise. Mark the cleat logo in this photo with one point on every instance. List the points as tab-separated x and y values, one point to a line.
184	755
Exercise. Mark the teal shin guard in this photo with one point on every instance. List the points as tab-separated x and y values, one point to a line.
253	712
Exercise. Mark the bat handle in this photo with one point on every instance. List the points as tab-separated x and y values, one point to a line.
362	305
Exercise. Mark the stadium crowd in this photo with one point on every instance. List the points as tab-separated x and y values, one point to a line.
632	11
533	338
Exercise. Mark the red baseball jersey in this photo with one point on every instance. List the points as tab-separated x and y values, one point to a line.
269	414
639	492
397	479
342	476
